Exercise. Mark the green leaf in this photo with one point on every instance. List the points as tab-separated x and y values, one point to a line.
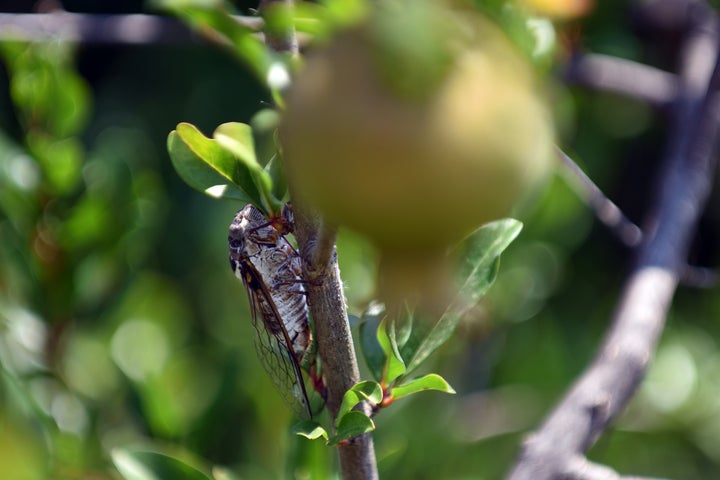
427	337
222	473
317	19
373	352
352	424
346	12
237	138
370	391
276	170
61	161
148	465
267	148
50	97
206	166
310	18
200	175
216	23
401	328
431	381
310	430
394	366
264	126
481	252
367	390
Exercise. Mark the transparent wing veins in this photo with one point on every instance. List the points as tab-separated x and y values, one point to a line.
274	348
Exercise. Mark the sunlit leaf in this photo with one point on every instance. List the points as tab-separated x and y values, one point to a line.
372	351
431	381
394	366
401	328
198	174
482	250
362	391
545	47
310	430
307	17
224	162
237	138
344	13
148	465
318	20
352	424
205	165
370	391
222	473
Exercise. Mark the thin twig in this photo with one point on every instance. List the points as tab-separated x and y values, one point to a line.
670	15
96	29
605	210
285	41
623	77
699	277
582	469
615	220
604	389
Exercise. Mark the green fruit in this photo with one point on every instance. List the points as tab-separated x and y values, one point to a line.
416	147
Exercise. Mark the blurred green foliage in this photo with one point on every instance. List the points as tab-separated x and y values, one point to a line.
122	331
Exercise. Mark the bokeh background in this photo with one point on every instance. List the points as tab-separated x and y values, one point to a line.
122	325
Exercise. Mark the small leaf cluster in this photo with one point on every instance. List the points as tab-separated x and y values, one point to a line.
394	346
227	165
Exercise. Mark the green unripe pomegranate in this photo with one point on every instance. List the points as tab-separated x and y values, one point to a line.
414	134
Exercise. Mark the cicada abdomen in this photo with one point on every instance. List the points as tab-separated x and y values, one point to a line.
271	271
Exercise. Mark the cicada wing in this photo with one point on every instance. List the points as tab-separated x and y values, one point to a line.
273	346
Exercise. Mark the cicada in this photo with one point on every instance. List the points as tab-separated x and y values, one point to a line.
271	271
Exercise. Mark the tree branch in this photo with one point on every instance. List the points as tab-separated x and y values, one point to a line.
699	277
604	389
327	302
605	210
582	469
623	77
614	219
332	329
670	15
132	29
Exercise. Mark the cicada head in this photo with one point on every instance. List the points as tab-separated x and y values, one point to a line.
245	222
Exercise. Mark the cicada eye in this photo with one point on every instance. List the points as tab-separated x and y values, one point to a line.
236	235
